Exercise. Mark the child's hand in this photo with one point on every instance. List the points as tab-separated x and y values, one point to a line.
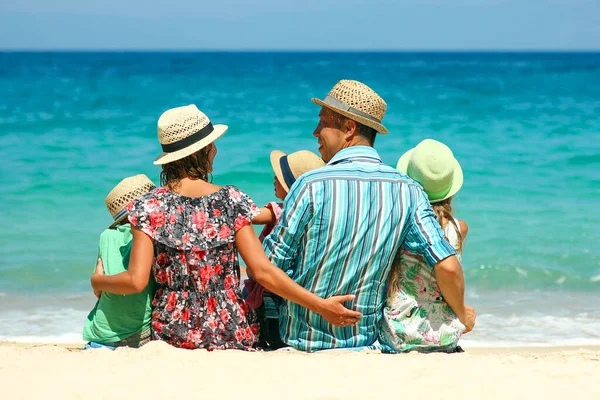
99	271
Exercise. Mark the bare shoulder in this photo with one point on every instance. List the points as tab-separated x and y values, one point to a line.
464	228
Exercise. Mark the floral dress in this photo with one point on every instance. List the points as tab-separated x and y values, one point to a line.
417	317
198	303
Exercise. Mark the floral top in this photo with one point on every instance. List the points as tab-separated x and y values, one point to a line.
197	303
416	317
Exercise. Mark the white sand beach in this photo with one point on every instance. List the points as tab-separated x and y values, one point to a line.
33	371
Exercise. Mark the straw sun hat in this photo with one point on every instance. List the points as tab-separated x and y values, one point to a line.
124	193
290	167
433	165
183	131
356	101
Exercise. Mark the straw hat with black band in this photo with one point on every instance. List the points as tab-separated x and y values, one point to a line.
356	101
124	193
290	167
182	131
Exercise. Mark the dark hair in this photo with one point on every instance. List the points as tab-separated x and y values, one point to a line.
194	166
366	132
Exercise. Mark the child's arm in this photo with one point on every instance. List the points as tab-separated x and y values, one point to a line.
464	228
265	217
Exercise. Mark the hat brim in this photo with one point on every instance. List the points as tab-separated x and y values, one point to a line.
365	121
165	158
276	155
457	180
119	221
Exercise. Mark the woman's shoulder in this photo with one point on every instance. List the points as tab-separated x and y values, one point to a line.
464	228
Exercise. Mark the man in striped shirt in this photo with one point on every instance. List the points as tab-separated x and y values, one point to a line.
342	225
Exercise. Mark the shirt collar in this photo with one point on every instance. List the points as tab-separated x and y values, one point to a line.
354	152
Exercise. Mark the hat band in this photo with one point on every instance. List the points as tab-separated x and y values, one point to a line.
188	141
286	171
120	215
332	101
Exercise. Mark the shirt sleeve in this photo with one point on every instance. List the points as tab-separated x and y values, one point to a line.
425	236
244	208
282	245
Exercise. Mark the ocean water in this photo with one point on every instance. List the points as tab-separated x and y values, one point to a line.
524	126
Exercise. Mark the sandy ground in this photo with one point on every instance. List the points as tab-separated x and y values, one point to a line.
33	371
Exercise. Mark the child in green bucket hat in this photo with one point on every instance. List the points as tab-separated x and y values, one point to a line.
415	316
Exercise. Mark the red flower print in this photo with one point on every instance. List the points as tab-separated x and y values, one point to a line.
235	194
161	190
210	231
231	295
254	328
211	304
225	232
184	295
239	334
244	306
179	209
194	336
176	315
218	269
200	255
240	222
224	314
204	274
248	333
185	316
157	219
161	259
172	218
158	327
212	324
153	203
199	218
228	282
129	206
133	220
161	276
171	299
182	258
216	212
185	239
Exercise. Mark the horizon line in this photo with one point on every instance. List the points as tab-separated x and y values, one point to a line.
278	50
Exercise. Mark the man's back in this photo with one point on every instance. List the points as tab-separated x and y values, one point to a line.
342	226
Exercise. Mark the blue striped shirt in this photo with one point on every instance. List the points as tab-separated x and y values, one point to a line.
340	229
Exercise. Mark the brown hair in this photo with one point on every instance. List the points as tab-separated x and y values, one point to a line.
366	132
443	213
195	166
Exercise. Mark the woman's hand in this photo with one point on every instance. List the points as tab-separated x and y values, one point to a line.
468	319
98	271
336	314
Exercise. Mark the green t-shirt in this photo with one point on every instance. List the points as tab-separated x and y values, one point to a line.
115	316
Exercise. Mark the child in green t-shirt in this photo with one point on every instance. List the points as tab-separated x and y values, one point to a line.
120	320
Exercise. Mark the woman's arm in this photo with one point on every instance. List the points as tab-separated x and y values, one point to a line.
277	281
136	278
265	217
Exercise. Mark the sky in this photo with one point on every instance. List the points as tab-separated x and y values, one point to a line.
300	25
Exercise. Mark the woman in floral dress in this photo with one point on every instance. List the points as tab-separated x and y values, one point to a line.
188	234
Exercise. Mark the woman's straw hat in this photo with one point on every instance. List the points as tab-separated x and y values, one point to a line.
356	101
183	131
124	193
433	165
290	167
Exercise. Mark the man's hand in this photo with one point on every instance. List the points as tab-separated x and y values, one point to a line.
336	314
99	271
468	319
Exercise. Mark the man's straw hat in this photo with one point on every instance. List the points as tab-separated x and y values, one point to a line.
356	101
183	131
433	165
290	167
124	193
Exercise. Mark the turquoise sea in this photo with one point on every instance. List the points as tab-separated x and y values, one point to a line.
524	126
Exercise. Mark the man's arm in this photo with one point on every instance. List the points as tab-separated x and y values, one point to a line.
282	245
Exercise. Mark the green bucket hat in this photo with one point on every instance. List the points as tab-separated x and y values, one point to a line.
433	165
